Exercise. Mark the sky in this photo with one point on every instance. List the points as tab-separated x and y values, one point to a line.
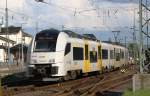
100	17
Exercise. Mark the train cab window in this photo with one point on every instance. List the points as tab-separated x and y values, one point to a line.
77	53
93	56
46	40
67	49
45	46
104	53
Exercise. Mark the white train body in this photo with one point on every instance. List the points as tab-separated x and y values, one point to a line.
54	53
66	53
113	56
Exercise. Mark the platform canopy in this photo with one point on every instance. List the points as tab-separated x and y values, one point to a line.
19	47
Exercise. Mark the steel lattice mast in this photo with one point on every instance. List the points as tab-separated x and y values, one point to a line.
143	26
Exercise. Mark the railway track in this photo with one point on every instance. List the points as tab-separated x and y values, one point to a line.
101	86
88	86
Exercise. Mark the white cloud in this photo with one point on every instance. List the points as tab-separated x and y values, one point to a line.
61	12
12	4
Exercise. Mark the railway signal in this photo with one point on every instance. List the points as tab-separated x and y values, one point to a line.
42	1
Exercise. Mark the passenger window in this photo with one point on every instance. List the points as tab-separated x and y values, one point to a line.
77	53
122	54
117	56
67	49
111	54
114	53
104	53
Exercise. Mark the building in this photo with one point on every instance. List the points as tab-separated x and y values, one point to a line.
15	36
3	48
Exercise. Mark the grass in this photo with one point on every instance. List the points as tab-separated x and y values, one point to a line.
144	92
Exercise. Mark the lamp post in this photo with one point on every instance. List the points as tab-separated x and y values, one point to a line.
22	46
141	37
7	33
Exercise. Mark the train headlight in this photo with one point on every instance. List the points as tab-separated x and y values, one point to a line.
51	60
34	61
32	66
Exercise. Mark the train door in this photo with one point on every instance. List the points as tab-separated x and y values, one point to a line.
110	52
111	58
114	61
121	59
109	61
99	59
117	57
93	57
86	65
126	55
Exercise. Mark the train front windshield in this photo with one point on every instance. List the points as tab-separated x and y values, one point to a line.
45	41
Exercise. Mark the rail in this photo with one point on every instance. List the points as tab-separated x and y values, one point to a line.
87	86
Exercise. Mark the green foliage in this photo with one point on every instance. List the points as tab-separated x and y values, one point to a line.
145	92
134	51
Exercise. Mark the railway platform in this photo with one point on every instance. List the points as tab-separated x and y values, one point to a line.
10	69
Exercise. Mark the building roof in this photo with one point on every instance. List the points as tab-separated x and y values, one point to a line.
19	47
14	30
26	34
5	39
11	29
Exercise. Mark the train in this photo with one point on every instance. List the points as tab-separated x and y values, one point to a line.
56	54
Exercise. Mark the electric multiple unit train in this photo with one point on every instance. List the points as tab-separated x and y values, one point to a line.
65	54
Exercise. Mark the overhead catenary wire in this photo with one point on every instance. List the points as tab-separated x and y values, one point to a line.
56	6
24	16
73	10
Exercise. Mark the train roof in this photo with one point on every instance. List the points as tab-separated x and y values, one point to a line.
53	31
72	34
90	36
113	43
84	36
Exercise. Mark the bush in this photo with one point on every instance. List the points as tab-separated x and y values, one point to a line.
145	92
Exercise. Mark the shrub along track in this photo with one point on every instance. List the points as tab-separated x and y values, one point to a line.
80	87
